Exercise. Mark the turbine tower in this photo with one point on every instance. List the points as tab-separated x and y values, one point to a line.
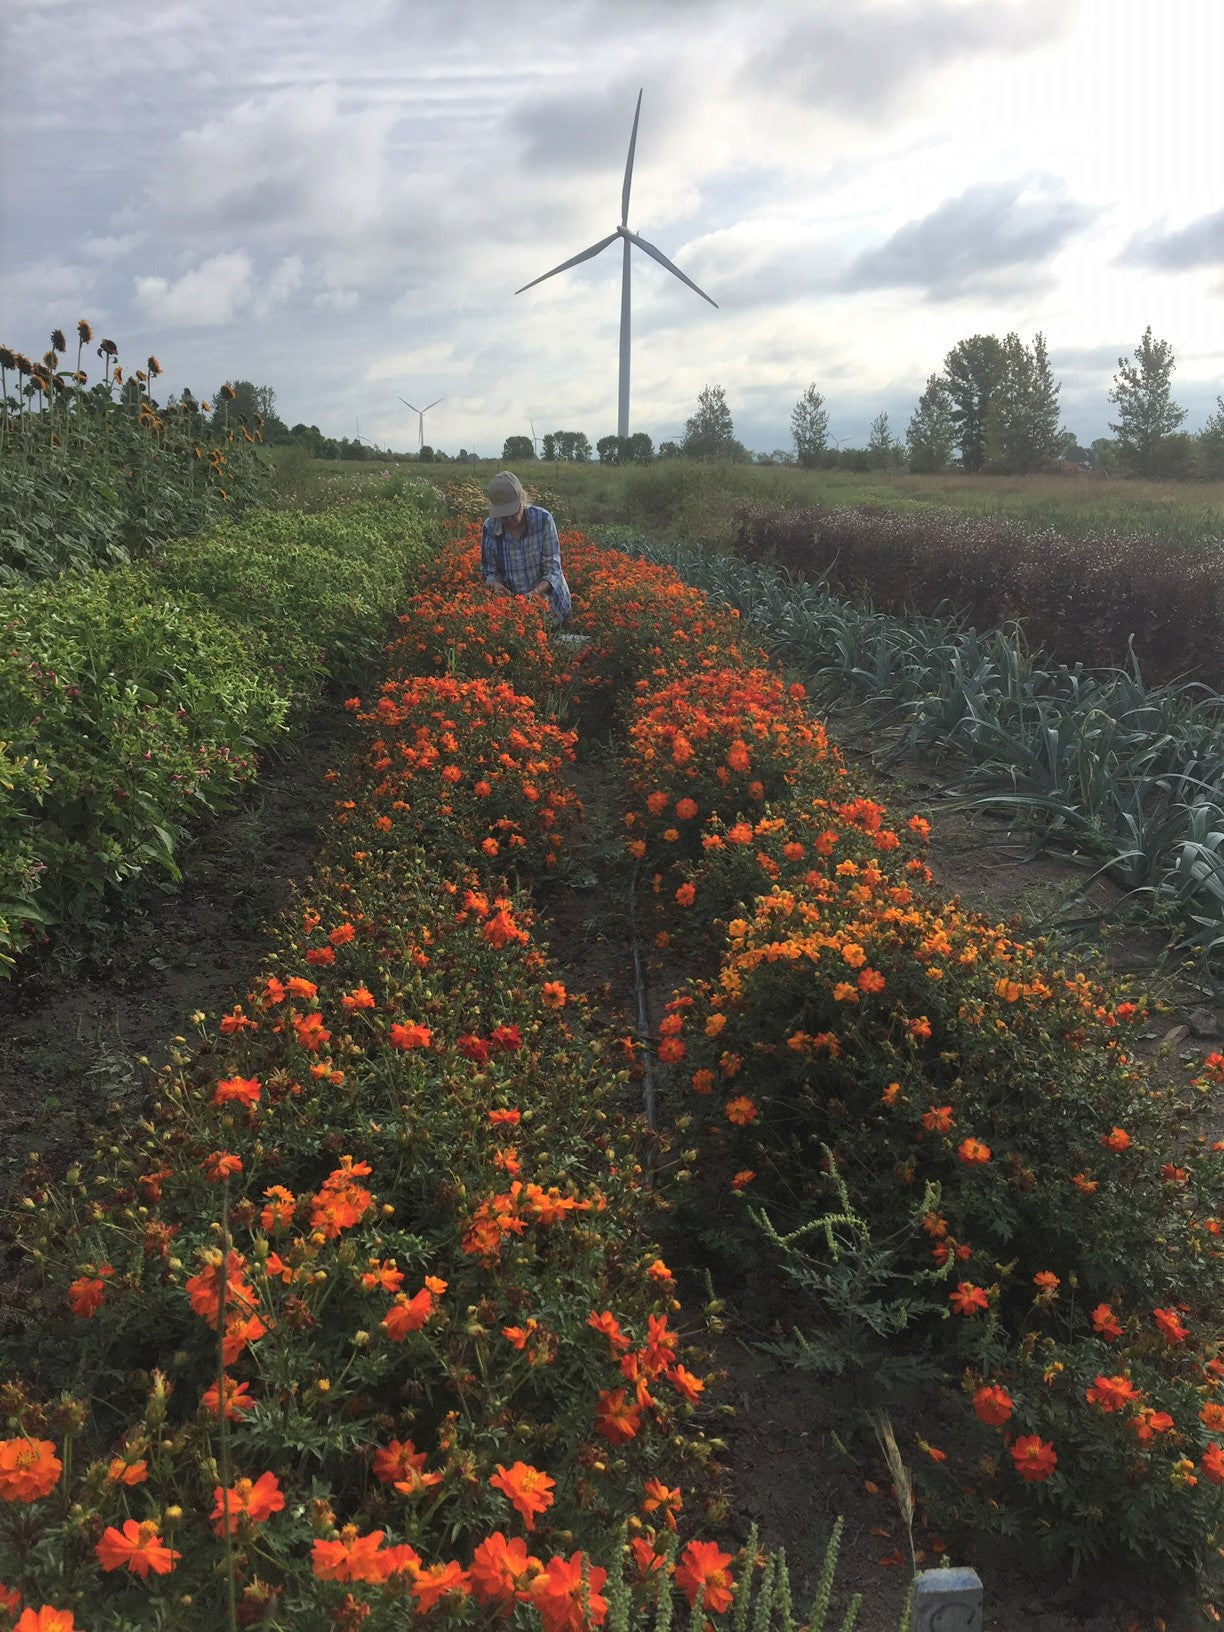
629	238
420	413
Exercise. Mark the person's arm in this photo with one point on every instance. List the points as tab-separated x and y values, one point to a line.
550	560
488	558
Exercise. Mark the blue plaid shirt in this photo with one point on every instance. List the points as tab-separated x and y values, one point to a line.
522	563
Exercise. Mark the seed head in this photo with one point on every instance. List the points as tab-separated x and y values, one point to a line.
8	358
228	392
58	341
108	348
84	332
155	368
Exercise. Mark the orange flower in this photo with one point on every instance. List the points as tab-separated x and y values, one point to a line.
408	1314
562	1598
29	1469
258	1499
608	1324
703	1081
410	1036
703	1573
45	1619
528	1490
743	1178
1170	1325
1046	1280
993	1404
1034	1459
359	998
685	1383
238	1400
553	994
435	1581
1117	1139
87	1293
615	1419
127	1473
1213	1463
243	1089
352	1557
282	1204
1084	1184
222	1164
686	809
969	1299
891	1094
501	929
657	1498
1212	1416
1149	1423
672	1050
938	1119
741	1111
971	1151
1113	1393
499	1569
137	1547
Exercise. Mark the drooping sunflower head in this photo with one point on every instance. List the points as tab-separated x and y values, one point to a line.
84	332
8	358
154	368
108	348
228	392
58	341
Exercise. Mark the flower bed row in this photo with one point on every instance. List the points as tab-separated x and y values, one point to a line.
136	700
937	1139
366	1316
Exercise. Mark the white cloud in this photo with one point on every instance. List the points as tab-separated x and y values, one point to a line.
206	297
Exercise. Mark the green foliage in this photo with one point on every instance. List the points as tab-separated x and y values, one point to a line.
517	448
930	436
1022	414
810	427
98	475
709	433
1147	414
974	371
135	701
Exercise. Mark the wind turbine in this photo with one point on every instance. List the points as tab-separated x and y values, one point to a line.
622	232
420	413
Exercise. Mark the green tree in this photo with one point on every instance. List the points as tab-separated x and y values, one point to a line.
638	449
973	370
1022	413
930	437
608	449
881	448
573	447
710	434
1147	414
1105	456
517	448
548	446
1211	444
239	400
810	427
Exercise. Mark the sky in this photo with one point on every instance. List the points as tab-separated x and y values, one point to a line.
340	201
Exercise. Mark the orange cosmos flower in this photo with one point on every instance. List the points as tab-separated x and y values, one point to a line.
359	998
686	809
258	1499
1149	1423
353	1557
969	1299
658	1498
919	1029
993	1404
87	1293
1212	1415
703	1573
672	1050
127	1473
553	994
282	1204
410	1036
938	1119
871	980
222	1164
436	1580
1105	1323
1034	1459
703	1081
403	1466
1213	1463
1117	1139
1046	1281
741	1111
562	1599
408	1314
972	1151
29	1469
45	1619
608	1324
528	1489
243	1089
500	1570
1170	1325
1113	1393
615	1419
743	1178
501	929
238	1399
137	1547
685	1383
1084	1184
296	986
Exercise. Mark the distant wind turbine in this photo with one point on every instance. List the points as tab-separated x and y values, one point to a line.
622	415
420	413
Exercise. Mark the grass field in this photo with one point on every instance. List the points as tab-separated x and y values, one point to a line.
682	500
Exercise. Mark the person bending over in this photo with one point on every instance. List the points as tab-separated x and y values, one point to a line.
520	553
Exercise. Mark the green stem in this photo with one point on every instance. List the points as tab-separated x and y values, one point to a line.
231	1590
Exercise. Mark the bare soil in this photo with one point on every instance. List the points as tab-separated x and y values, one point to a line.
81	1034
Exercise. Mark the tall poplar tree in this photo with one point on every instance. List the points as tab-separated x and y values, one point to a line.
1022	416
810	427
973	371
1142	394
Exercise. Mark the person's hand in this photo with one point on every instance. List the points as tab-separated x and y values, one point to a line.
543	589
499	588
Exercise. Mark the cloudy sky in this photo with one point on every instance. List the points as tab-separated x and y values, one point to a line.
339	201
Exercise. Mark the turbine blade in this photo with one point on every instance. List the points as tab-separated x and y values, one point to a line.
407	404
573	261
433	404
658	255
629	165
